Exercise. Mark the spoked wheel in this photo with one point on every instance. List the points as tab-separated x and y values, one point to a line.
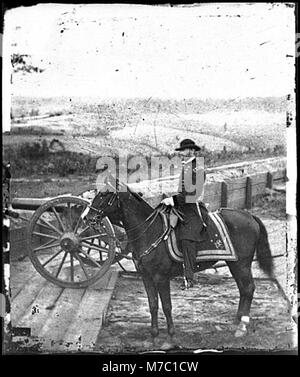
66	251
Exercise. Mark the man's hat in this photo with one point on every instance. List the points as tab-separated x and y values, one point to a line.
188	143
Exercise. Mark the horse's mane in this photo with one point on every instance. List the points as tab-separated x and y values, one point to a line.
136	195
131	191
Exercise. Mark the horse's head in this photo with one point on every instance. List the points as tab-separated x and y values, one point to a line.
105	203
113	201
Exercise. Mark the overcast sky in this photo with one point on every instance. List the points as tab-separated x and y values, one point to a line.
212	50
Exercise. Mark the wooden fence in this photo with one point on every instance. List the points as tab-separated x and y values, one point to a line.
236	192
240	192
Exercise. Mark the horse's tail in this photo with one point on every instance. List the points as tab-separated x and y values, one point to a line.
263	250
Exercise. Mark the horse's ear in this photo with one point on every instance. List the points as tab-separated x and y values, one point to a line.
108	184
110	180
121	186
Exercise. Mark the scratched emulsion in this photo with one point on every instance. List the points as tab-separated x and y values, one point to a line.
105	76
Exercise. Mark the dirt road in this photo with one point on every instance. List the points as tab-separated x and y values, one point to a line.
203	317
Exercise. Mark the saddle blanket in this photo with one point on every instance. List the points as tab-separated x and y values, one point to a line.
216	245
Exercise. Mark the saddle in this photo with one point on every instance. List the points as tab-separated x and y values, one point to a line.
216	244
174	215
170	216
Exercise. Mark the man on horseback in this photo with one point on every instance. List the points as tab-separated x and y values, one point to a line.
190	229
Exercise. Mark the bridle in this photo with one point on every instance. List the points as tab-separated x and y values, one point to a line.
152	217
114	197
100	212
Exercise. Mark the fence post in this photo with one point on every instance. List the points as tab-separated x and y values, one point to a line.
269	184
285	175
248	201
224	194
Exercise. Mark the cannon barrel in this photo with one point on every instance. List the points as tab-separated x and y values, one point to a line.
30	204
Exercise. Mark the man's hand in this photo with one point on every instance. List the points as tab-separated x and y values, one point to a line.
168	201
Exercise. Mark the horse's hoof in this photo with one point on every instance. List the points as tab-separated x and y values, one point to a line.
147	345
242	327
239	333
155	343
166	346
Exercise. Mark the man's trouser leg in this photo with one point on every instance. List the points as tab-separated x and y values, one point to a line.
189	251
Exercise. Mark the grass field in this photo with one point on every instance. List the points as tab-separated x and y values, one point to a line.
86	128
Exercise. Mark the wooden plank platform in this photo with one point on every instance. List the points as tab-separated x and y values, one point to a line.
60	320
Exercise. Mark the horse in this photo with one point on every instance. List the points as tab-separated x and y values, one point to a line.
145	233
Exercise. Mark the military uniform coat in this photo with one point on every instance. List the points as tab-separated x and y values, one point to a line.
190	228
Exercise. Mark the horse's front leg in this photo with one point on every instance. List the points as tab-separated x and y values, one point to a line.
165	296
152	293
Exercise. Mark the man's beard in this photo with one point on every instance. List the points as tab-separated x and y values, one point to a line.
188	156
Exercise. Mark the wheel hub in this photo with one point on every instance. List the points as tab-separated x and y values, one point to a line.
69	242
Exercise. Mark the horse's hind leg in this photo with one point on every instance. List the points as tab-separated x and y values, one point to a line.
152	293
165	296
246	286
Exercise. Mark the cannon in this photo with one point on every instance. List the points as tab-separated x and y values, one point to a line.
62	248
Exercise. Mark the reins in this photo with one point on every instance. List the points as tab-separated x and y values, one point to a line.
164	236
111	201
161	208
